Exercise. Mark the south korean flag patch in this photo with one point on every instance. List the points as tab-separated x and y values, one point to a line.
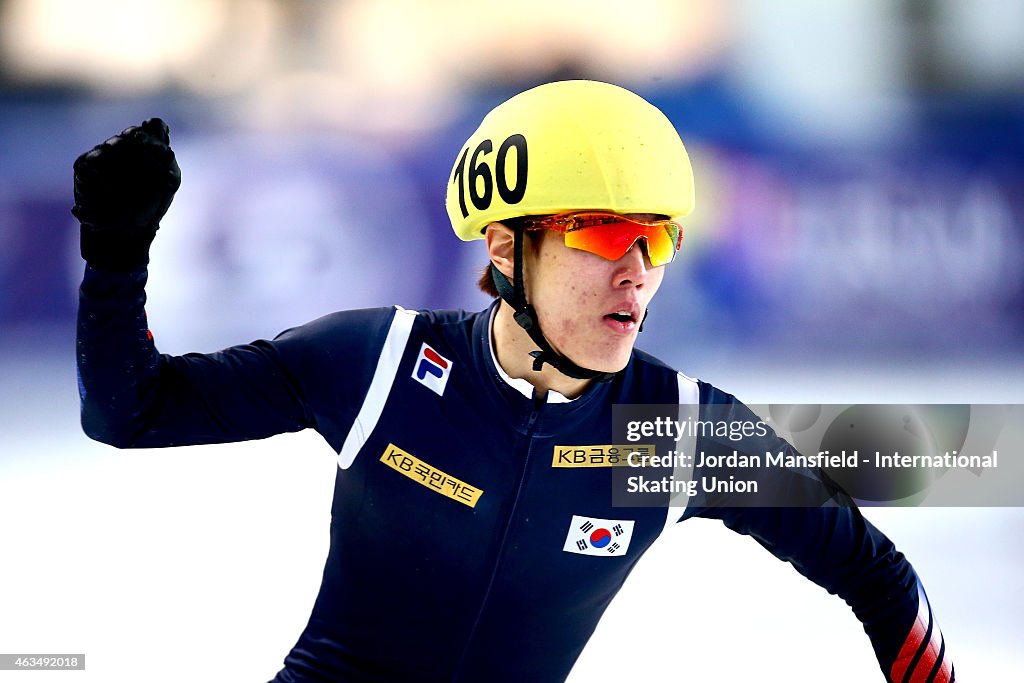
598	537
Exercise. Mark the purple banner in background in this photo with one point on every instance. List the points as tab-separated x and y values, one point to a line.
899	254
784	250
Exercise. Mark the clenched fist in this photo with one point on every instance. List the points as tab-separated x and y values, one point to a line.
123	187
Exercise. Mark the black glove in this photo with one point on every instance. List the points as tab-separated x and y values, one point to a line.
123	187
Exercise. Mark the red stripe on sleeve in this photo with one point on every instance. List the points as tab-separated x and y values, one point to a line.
945	674
928	659
913	641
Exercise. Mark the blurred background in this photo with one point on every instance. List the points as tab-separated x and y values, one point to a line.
858	238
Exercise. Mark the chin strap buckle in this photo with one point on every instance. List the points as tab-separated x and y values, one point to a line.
526	318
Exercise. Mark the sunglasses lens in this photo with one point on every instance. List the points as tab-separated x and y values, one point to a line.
663	243
612	239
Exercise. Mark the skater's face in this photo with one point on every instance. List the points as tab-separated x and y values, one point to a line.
589	307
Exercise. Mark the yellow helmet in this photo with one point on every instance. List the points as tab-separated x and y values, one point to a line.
564	146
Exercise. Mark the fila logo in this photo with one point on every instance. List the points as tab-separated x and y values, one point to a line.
600	537
432	369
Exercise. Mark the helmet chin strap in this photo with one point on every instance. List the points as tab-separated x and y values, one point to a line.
514	295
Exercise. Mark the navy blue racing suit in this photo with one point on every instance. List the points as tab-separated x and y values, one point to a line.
461	527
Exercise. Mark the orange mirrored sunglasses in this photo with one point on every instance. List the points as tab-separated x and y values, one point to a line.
610	235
